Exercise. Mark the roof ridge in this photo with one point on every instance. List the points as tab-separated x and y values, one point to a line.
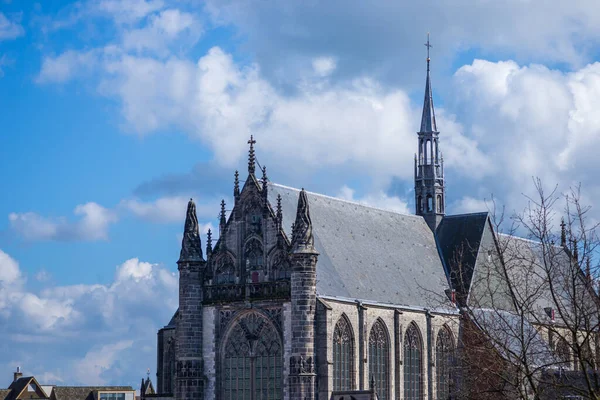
466	214
346	201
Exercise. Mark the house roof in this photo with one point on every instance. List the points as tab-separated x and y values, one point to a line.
4	393
459	238
84	392
369	253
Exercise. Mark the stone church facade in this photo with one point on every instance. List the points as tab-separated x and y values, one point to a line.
304	296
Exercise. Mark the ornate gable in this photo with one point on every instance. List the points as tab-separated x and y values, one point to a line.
252	248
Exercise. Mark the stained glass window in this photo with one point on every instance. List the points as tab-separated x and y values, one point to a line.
379	358
444	357
252	361
343	355
413	370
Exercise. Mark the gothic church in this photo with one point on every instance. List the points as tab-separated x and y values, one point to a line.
305	296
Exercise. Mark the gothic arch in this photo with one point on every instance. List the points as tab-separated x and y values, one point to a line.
251	361
413	363
225	270
254	253
279	264
379	358
343	354
563	352
444	360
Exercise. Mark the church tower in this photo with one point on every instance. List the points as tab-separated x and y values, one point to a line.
189	378
430	192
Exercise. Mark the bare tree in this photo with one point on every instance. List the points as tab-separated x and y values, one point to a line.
528	301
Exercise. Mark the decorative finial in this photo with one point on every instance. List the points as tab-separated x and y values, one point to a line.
279	211
236	184
251	157
148	373
588	268
302	236
191	248
563	233
208	242
575	250
222	219
264	180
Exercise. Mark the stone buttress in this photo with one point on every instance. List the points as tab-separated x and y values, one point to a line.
189	380
303	290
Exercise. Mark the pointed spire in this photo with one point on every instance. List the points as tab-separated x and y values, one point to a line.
191	248
575	250
208	243
264	181
236	185
222	219
563	233
428	118
302	236
251	157
279	213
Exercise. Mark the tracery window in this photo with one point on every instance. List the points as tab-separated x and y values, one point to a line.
563	353
280	266
379	358
254	254
252	361
444	358
343	355
413	360
225	271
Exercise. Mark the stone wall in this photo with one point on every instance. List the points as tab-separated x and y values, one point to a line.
362	316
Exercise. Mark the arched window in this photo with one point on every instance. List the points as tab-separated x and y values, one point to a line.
438	204
429	203
413	360
379	358
563	353
444	357
252	361
343	355
225	271
254	254
420	204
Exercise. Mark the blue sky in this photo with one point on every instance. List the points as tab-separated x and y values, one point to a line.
114	113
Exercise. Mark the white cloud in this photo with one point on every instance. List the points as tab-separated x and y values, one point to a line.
469	204
127	11
164	209
10	28
91	328
92	225
324	66
66	66
378	200
162	31
531	121
99	361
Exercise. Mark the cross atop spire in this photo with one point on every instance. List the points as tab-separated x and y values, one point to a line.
251	157
428	119
428	47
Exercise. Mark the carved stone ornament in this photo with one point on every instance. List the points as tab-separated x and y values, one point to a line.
191	248
302	237
301	365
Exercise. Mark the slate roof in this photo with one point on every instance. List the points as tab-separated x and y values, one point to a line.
16	387
459	238
369	253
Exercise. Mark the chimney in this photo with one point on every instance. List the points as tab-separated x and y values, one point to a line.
17	374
